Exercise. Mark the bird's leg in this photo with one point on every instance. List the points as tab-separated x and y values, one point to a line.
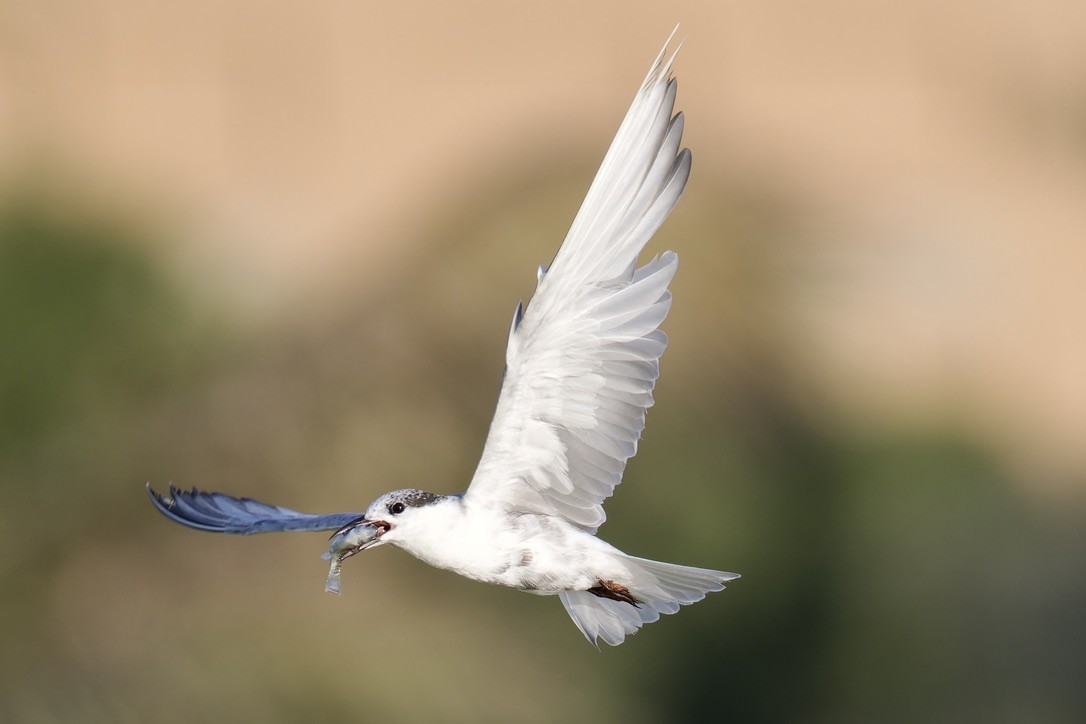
614	591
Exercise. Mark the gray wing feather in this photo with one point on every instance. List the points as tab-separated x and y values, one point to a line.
584	354
222	513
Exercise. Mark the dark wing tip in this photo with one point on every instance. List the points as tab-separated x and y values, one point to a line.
171	507
221	513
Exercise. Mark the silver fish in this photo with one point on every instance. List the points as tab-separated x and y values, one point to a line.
345	542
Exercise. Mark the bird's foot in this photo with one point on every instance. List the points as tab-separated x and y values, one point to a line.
614	591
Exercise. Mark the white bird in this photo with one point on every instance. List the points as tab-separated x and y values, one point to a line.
581	362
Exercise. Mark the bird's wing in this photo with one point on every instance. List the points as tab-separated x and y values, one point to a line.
583	357
243	516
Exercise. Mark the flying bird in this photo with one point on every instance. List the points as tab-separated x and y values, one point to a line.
581	362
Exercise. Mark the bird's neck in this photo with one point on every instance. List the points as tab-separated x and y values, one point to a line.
451	536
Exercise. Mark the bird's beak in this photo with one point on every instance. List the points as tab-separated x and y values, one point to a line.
356	536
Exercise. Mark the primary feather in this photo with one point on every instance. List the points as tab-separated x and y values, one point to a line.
221	513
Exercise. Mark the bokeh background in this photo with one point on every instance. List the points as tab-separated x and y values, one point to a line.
272	248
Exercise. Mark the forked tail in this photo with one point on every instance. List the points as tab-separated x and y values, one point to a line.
657	587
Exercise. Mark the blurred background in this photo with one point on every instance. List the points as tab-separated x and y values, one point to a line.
272	248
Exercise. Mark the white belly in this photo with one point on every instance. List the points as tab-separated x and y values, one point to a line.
536	553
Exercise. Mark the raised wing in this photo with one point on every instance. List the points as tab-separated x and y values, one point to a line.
583	358
221	513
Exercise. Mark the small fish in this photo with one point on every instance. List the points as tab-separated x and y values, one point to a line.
347	541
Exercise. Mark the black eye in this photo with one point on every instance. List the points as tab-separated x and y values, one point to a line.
396	508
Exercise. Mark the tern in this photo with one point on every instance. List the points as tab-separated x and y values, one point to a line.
580	365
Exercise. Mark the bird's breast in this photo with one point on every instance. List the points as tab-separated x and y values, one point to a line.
535	553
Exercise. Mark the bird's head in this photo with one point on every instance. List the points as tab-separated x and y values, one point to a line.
383	519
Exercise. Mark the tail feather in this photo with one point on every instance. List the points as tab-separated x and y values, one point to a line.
660	588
